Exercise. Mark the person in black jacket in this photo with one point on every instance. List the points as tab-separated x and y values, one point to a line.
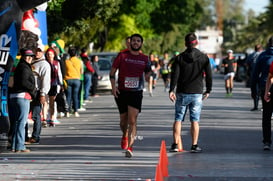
21	94
11	20
188	71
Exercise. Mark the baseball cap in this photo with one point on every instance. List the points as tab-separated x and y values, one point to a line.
27	52
229	51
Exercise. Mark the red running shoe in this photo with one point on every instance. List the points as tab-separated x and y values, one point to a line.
124	143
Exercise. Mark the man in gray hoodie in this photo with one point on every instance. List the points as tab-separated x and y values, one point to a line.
188	72
42	74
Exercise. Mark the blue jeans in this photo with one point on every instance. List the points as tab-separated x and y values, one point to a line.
72	93
185	101
18	114
87	85
36	108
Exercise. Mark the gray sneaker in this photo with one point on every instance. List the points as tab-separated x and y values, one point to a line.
267	146
195	149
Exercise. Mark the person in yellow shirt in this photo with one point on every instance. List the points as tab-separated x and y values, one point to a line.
73	73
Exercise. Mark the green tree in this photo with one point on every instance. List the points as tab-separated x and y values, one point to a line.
257	31
178	19
234	20
79	22
162	23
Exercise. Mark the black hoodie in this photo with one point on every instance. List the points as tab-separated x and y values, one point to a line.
188	71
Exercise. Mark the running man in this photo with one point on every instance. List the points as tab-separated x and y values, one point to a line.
230	66
131	66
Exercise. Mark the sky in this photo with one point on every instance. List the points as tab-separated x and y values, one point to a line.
256	5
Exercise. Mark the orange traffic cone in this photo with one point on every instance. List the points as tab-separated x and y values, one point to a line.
158	173
163	159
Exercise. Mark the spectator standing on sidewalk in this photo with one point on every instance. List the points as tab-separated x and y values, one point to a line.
96	75
260	76
58	45
251	63
20	95
187	76
56	84
129	93
74	70
230	66
88	72
42	74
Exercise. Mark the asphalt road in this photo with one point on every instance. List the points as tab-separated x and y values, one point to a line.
88	148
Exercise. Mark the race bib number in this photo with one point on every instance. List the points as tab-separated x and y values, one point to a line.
131	82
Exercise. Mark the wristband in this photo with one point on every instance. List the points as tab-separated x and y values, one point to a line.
42	94
112	77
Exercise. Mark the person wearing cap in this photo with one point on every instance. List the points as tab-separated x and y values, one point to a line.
262	76
88	72
187	77
21	93
42	74
230	67
58	45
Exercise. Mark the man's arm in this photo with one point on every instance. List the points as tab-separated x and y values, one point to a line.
208	79
268	84
174	78
112	76
174	74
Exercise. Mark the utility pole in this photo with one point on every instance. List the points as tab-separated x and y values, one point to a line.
219	13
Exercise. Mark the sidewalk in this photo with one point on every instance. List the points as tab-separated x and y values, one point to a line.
88	148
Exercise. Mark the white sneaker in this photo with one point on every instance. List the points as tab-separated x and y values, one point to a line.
60	115
87	101
67	114
77	114
81	109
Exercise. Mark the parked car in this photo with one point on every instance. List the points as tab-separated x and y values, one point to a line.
111	55
105	65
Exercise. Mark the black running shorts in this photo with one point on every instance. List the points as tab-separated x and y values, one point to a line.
129	98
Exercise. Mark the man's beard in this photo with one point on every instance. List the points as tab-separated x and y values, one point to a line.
135	49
